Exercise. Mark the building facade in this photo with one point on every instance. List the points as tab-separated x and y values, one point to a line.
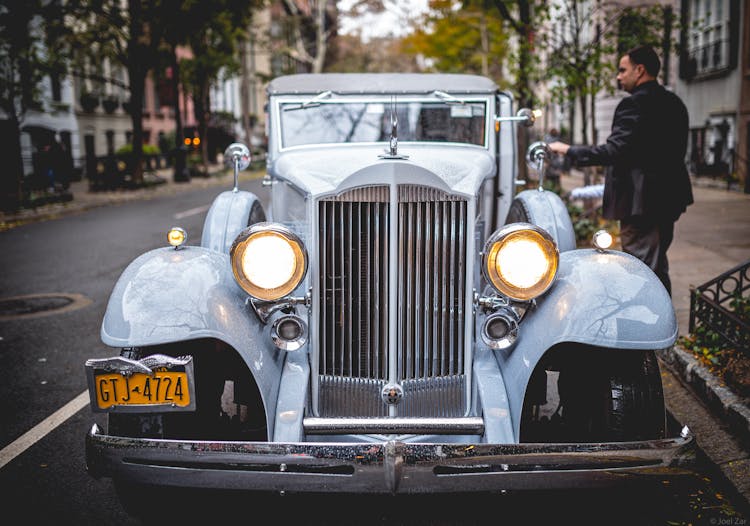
711	80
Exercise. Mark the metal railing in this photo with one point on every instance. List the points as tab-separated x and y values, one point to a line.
710	306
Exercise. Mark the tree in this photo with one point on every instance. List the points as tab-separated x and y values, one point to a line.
31	47
584	46
524	18
128	35
310	25
215	38
467	40
380	54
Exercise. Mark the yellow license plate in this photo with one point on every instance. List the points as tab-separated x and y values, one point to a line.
156	383
161	388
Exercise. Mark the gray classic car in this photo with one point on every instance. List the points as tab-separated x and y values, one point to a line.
400	317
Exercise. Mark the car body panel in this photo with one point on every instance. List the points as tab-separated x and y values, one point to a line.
228	215
337	168
547	210
167	296
608	300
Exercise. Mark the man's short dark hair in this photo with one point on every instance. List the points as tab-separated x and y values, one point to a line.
646	57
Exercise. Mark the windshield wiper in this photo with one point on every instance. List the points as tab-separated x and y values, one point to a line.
315	101
447	97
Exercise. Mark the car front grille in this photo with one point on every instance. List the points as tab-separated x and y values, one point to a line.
392	322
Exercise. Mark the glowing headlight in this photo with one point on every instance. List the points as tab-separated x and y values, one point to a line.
268	260
520	261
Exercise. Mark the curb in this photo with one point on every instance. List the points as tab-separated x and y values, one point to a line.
730	407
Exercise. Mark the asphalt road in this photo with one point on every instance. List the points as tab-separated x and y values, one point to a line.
45	417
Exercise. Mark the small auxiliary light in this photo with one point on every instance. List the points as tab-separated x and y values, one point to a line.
602	240
289	333
176	237
500	330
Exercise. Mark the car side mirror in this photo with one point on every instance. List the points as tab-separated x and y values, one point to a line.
525	116
237	156
536	155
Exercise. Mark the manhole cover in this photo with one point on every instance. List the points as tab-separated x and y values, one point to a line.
34	305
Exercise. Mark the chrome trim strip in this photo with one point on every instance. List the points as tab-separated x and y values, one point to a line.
394	426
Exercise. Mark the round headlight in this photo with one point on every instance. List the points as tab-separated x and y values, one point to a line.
268	261
520	261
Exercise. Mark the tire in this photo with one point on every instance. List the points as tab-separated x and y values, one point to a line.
518	213
602	395
616	398
545	210
257	214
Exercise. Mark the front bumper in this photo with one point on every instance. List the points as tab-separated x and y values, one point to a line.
384	467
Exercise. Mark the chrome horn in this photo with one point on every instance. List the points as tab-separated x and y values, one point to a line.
536	156
237	156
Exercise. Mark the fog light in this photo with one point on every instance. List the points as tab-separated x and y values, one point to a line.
289	333
500	330
176	236
602	240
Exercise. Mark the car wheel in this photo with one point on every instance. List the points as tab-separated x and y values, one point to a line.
616	397
518	213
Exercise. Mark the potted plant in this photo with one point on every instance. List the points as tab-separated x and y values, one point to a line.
89	101
110	103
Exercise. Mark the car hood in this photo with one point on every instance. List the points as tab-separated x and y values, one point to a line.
456	169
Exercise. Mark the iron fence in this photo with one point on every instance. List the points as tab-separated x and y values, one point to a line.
711	306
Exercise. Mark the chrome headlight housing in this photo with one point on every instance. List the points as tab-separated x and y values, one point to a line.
520	261
268	261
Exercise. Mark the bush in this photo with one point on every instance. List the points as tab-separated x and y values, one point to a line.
148	149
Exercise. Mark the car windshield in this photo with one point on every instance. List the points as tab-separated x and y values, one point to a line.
323	122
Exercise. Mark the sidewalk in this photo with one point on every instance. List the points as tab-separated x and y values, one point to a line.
83	199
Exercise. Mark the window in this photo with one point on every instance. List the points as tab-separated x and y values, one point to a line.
710	38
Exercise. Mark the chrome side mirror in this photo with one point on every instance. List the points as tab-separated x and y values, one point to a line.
536	155
525	116
237	156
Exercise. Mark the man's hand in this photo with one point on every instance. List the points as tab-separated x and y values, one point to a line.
558	147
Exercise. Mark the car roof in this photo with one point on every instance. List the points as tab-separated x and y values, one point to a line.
379	83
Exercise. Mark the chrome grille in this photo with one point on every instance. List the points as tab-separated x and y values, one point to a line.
355	245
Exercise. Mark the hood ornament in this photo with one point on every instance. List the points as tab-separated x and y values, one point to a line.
392	152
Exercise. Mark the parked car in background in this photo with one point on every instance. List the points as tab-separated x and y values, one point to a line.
399	318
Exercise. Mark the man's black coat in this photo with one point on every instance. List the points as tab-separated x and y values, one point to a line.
645	154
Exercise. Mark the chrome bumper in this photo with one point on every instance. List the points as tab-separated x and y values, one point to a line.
384	467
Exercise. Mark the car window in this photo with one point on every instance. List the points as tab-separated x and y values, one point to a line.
352	122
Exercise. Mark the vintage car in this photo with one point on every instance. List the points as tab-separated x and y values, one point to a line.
401	316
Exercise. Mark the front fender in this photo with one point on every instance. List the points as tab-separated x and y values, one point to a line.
169	295
229	214
610	300
545	209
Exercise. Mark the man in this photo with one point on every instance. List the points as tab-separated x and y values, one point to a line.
647	186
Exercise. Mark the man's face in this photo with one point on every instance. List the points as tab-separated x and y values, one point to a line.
628	74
